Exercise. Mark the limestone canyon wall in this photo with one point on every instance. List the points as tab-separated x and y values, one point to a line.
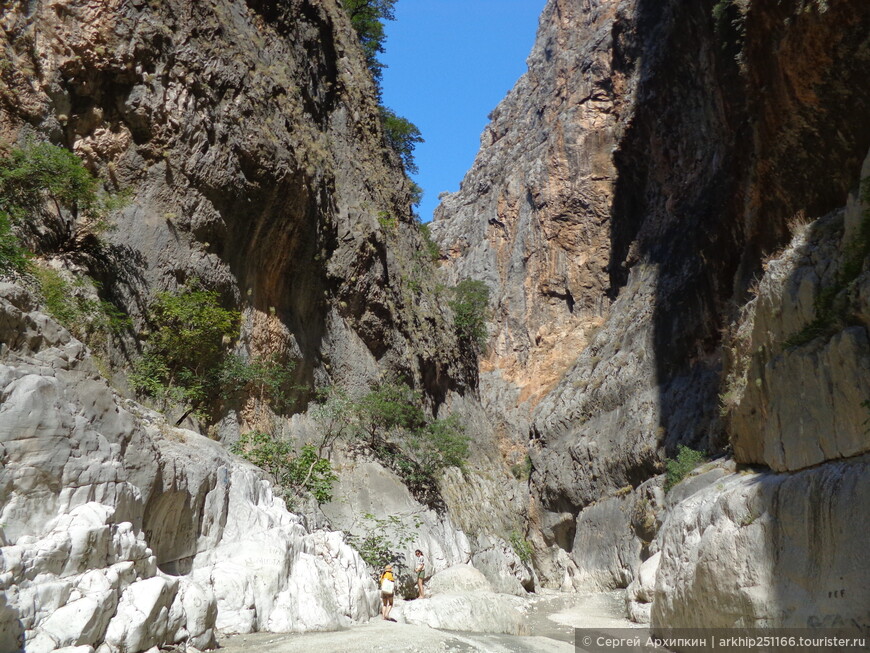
627	199
249	138
121	532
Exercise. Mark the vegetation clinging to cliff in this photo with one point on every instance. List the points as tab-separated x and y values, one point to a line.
389	422
367	18
470	306
186	348
46	183
294	474
833	305
678	468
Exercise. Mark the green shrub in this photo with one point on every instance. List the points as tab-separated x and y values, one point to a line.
416	191
265	377
522	471
402	136
333	414
678	468
38	172
187	346
388	222
521	546
439	444
87	319
384	539
13	257
367	18
430	247
44	179
387	407
470	306
833	305
390	422
57	293
307	472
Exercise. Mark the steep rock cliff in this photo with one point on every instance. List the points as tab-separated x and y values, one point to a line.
249	136
623	199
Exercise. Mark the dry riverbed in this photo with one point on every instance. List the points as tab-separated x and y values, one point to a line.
552	618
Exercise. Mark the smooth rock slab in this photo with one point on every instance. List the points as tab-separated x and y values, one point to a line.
768	550
457	579
480	612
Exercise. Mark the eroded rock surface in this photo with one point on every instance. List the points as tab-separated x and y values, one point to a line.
801	354
624	197
123	533
766	550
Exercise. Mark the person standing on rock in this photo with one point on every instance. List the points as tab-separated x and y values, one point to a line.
420	568
388	585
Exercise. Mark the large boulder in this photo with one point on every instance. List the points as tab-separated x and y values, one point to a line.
480	612
459	578
461	598
767	550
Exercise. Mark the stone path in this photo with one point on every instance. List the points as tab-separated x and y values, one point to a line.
552	618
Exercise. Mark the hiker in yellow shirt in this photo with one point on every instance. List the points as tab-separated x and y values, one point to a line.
388	584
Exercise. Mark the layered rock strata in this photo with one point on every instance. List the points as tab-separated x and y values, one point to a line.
249	138
624	196
122	533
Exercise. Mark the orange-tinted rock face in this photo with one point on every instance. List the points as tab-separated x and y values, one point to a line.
623	199
531	218
250	136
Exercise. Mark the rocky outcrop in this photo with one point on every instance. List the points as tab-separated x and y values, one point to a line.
250	136
800	355
766	550
123	533
776	549
624	197
463	599
530	219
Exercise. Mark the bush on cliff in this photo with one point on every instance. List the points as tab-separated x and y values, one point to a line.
470	306
389	421
294	474
402	136
46	183
678	468
186	347
367	18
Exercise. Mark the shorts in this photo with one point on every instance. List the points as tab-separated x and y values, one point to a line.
421	574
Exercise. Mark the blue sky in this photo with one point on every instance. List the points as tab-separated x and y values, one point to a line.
450	62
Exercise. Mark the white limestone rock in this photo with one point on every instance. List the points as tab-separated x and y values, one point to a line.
457	579
641	591
120	530
767	550
480	611
501	565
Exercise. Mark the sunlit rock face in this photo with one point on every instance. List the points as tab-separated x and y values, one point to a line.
767	550
123	533
249	137
625	199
